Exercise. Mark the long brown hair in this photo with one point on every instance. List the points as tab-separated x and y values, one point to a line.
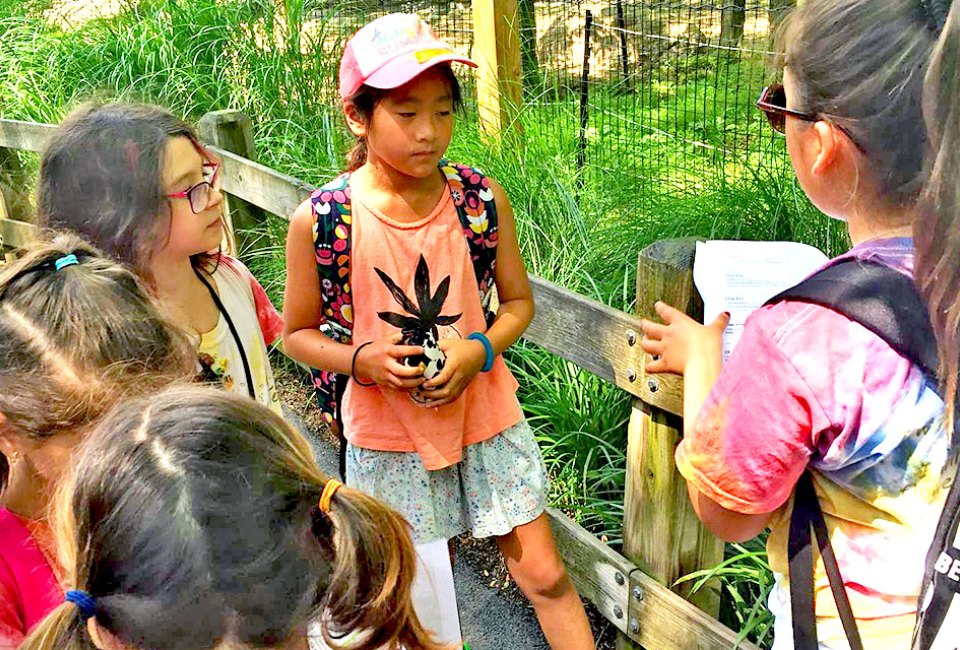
888	71
937	230
192	518
101	177
76	341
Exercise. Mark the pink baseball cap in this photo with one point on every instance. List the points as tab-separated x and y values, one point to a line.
390	51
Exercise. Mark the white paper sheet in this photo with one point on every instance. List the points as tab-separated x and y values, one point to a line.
434	597
739	276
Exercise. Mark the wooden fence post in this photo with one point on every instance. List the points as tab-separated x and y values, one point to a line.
15	187
496	37
232	131
15	203
661	533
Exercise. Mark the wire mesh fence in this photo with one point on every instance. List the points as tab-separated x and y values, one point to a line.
660	91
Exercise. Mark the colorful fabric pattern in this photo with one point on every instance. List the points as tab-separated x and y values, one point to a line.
332	225
806	386
500	484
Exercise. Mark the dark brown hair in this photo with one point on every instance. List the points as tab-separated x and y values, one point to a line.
937	229
100	176
192	518
888	71
75	342
367	98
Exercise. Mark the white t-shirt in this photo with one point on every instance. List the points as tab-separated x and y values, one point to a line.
258	325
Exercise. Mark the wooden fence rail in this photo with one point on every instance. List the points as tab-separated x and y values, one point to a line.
662	536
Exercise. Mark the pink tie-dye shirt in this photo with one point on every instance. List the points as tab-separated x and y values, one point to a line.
806	386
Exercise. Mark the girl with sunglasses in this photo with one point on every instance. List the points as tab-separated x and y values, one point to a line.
809	389
135	181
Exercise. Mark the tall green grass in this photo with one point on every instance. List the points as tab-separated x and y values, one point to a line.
581	228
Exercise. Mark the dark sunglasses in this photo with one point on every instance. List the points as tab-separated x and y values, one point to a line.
773	103
199	194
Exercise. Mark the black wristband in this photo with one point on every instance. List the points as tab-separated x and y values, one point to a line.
353	366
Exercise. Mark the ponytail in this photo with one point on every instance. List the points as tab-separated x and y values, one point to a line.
357	155
60	630
937	228
373	570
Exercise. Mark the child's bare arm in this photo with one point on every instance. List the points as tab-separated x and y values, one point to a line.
465	357
378	362
513	286
685	347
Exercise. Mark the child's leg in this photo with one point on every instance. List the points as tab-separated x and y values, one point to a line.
532	558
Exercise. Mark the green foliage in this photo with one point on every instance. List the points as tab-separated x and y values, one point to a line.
581	228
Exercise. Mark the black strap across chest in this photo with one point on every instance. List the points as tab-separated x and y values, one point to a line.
887	303
251	388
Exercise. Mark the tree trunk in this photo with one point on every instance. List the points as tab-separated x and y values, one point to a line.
731	23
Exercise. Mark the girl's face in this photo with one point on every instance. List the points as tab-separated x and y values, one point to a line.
411	127
190	233
44	459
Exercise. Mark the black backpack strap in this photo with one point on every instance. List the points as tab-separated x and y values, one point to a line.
888	304
806	515
881	299
939	591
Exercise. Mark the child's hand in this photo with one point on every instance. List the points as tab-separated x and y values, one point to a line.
380	362
465	358
680	339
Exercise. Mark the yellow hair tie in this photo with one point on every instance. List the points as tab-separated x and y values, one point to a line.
329	489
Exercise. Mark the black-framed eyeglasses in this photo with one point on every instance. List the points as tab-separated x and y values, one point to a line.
199	194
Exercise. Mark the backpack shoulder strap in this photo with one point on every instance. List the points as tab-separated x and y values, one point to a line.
881	299
888	304
477	210
807	514
332	219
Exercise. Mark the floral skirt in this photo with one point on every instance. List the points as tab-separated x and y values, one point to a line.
500	484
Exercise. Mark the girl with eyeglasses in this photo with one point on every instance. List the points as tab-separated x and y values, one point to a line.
870	106
137	182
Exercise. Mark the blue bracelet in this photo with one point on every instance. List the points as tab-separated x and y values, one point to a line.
488	362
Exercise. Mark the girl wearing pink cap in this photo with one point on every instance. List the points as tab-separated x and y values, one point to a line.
411	370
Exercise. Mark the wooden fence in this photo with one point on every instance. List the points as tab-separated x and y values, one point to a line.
662	538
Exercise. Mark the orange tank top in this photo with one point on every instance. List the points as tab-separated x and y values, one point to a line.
389	420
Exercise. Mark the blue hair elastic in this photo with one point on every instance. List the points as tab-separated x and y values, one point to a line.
66	260
84	602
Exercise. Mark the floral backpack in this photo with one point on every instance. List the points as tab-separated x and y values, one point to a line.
331	207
